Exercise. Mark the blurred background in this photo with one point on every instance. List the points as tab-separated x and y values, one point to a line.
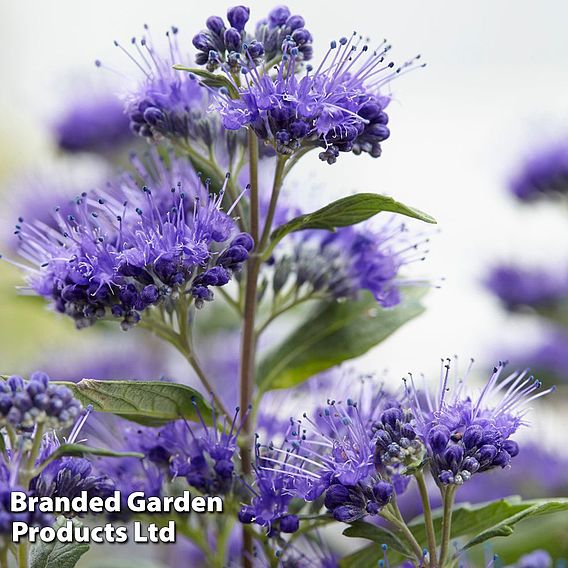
493	95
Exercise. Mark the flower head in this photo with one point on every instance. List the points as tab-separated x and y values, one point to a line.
338	106
166	103
466	434
36	401
545	174
94	124
272	490
232	47
348	261
332	454
203	454
524	287
129	248
68	476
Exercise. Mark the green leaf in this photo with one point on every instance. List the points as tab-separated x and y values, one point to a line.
213	80
380	535
507	526
366	556
334	332
152	403
57	554
80	450
344	212
468	519
481	522
487	520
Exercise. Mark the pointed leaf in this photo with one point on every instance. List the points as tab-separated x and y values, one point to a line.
57	554
507	526
334	332
380	535
344	212
152	403
80	450
213	80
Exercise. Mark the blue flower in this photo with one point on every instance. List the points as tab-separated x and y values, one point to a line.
333	455
203	454
69	477
520	287
36	401
466	434
95	124
344	263
166	103
544	174
232	47
337	107
129	248
272	490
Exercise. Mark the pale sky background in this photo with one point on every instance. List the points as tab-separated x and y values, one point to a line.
495	88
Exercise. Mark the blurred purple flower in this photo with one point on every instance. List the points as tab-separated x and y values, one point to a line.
167	103
544	174
520	287
96	123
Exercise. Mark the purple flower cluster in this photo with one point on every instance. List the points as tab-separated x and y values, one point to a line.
33	406
465	435
95	124
37	401
545	174
524	287
333	455
397	445
272	491
32	519
343	263
232	48
360	456
167	103
203	455
68	476
337	107
129	248
548	355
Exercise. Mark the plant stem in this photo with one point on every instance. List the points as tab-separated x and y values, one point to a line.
430	533
248	347
278	179
279	311
4	557
448	495
230	301
403	528
23	554
182	342
253	168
